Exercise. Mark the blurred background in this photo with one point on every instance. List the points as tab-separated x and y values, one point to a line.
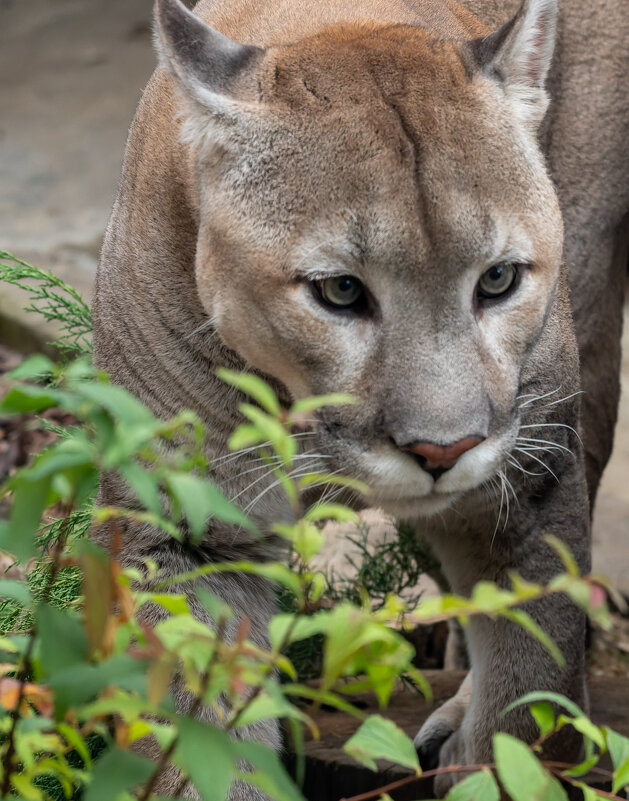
71	74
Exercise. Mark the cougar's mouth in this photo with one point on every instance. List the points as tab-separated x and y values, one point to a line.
402	488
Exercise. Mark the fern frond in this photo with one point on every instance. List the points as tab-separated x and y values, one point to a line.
54	300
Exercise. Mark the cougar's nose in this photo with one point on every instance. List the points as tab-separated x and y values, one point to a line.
436	459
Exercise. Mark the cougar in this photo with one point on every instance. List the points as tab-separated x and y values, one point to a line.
367	197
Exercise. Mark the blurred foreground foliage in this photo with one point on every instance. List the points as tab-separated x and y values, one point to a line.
83	677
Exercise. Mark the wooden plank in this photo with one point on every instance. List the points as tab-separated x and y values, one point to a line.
331	775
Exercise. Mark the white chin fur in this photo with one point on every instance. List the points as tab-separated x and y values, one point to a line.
414	508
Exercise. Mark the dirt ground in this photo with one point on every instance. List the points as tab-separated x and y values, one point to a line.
71	73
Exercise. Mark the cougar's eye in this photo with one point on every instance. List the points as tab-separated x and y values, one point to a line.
341	292
497	280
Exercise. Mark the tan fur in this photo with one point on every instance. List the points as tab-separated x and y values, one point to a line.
371	138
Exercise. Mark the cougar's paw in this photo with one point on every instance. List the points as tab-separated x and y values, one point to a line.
452	753
430	739
442	725
439	747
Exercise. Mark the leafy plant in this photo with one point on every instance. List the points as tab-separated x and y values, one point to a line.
54	300
83	678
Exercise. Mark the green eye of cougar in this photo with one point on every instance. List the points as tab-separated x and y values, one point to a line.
497	280
341	291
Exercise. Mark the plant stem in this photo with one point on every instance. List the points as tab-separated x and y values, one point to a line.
194	708
555	767
7	759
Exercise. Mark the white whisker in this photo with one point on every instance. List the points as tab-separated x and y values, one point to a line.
513	492
515	463
228	457
561	400
555	425
271	468
207	324
551	445
537	397
294	474
502	494
543	464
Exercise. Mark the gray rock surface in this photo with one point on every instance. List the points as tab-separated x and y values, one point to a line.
71	73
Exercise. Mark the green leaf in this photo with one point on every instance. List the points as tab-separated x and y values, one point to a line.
62	639
544	716
116	772
34	367
145	485
307	539
305	405
200	500
300	629
621	776
331	511
583	767
217	608
176	604
319	696
284	445
521	774
479	786
589	794
18	535
28	398
524	620
244	437
74	739
584	725
270	704
274	571
14	590
82	682
546	695
325	479
379	738
564	553
618	746
253	386
122	405
67	454
208	757
270	775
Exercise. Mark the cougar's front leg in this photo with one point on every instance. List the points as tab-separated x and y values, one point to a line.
249	598
506	661
442	724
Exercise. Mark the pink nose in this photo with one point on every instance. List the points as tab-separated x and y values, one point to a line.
442	457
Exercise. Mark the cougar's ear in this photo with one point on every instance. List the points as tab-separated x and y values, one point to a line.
519	56
209	67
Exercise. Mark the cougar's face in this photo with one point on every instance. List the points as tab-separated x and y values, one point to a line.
387	229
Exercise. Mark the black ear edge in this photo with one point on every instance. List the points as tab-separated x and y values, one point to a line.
485	48
181	35
520	52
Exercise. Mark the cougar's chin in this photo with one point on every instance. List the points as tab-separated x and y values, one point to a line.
412	508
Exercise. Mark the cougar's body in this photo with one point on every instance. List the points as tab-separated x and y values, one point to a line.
398	139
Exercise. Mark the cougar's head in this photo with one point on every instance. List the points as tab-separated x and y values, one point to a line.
376	218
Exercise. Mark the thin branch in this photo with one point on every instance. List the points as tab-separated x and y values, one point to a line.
413	778
194	708
25	670
576	783
555	767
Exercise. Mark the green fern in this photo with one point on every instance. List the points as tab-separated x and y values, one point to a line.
54	300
